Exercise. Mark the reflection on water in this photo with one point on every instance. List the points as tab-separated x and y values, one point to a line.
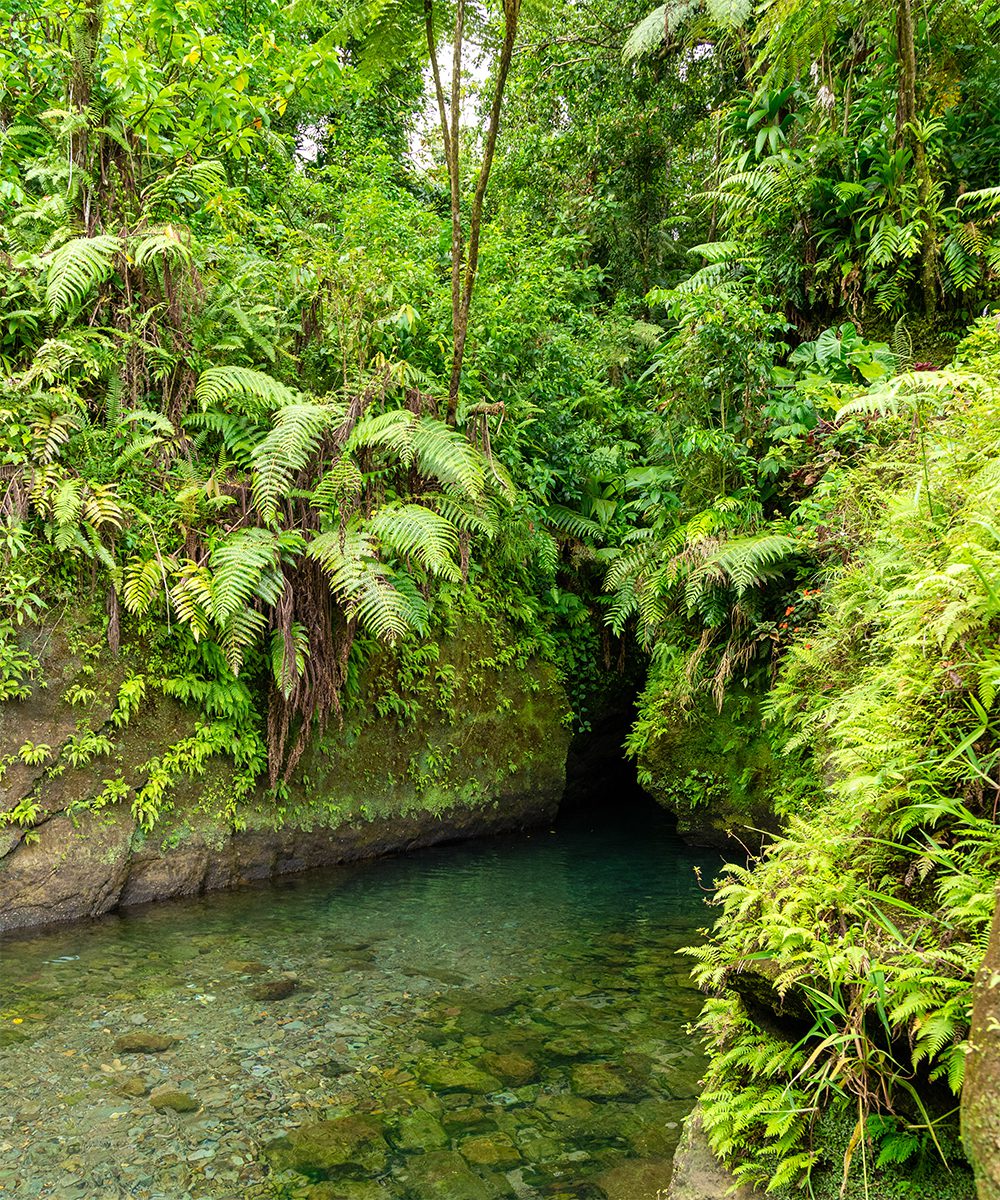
498	1019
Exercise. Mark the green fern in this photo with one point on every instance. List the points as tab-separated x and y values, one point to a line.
413	531
365	587
297	431
76	268
256	393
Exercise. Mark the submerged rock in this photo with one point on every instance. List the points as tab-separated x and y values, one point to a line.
351	1145
167	1097
246	967
273	989
490	1150
143	1042
133	1085
445	1175
579	1045
349	1189
599	1081
420	1131
457	1077
513	1068
639	1178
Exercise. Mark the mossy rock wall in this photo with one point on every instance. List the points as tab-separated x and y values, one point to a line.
715	771
471	743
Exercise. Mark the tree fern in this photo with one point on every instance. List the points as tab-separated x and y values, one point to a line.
288	655
653	30
244	567
566	520
750	561
188	184
413	531
164	247
429	444
364	586
143	582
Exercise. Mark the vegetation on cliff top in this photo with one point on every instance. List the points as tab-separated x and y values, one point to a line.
298	355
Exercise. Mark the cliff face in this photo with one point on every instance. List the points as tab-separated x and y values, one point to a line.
477	746
981	1091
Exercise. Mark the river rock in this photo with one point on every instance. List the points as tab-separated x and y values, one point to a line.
168	1097
461	1120
445	1175
420	1131
980	1107
273	989
143	1041
490	1150
599	1081
348	1189
513	1068
457	1077
133	1085
351	1145
240	966
637	1179
579	1045
492	1003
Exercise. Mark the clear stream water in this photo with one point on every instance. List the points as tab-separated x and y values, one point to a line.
501	1019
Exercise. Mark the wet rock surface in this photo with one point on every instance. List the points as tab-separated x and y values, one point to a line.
471	1024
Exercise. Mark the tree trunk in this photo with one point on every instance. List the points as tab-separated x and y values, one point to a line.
85	33
906	131
465	262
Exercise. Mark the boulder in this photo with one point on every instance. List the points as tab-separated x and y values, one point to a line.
344	1146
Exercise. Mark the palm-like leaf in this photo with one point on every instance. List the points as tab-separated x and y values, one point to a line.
294	438
364	586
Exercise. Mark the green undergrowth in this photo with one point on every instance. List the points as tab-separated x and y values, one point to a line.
861	926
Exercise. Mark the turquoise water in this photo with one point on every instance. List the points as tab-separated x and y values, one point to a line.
476	1022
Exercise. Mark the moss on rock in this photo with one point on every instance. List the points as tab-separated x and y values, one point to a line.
715	770
445	739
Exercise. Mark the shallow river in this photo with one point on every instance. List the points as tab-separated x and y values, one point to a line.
504	1019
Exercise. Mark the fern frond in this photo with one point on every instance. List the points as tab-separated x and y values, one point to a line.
364	586
76	268
294	438
257	392
413	531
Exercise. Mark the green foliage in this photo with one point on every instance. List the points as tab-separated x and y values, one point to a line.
869	915
75	269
